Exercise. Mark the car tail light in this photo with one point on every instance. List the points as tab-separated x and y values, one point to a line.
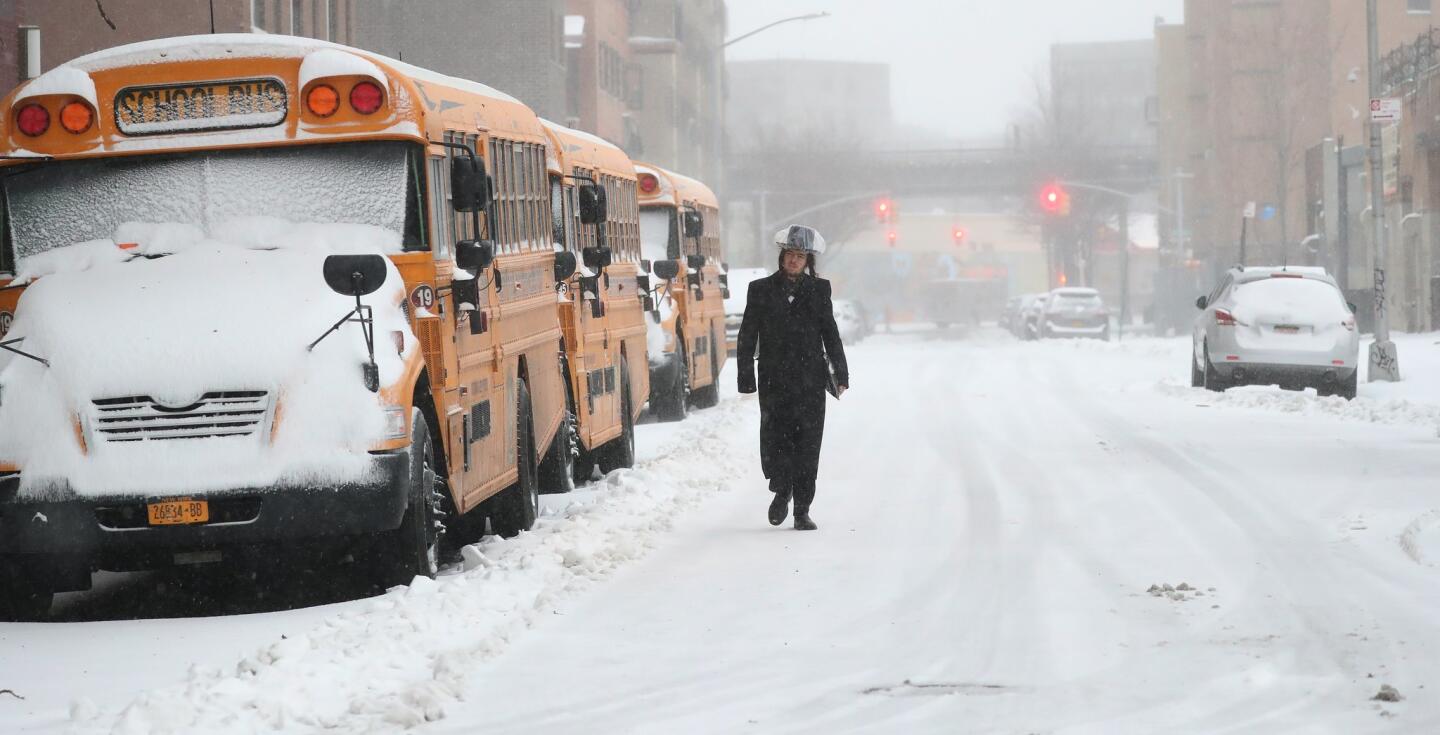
1224	318
1349	324
322	100
649	183
366	97
76	117
33	120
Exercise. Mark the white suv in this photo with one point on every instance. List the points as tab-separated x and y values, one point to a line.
1286	326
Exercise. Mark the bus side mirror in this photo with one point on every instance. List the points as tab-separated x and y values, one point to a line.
596	258
474	255
564	265
354	275
665	270
694	224
470	188
695	261
1200	302
593	205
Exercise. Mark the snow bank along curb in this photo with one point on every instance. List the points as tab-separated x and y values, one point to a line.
1366	410
403	659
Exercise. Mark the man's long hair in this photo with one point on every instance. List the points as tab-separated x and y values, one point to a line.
809	263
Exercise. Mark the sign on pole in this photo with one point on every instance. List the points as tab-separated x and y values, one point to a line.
1385	110
1249	212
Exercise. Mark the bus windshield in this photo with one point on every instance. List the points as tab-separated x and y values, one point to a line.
657	234
67	202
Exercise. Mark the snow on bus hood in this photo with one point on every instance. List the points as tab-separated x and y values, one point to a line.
213	316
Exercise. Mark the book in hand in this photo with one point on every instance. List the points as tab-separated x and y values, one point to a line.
830	384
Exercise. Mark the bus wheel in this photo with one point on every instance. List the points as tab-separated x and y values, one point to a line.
675	405
516	507
620	452
710	395
414	548
557	470
21	599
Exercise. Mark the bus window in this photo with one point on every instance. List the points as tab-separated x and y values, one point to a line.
440	197
557	213
657	234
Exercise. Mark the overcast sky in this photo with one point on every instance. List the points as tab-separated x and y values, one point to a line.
963	67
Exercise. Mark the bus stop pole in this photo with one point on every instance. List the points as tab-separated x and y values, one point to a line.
1124	268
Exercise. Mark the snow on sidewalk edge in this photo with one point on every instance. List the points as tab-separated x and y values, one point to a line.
1367	410
401	660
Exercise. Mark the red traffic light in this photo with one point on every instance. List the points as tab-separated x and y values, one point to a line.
884	210
1054	199
959	234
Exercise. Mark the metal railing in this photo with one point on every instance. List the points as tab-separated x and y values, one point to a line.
1409	63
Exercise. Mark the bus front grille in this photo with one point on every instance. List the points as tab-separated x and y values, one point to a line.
217	414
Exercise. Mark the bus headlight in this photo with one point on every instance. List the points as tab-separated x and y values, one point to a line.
395	419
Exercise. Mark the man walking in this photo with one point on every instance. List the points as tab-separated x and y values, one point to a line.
788	315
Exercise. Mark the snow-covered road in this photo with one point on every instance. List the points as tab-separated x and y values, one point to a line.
993	515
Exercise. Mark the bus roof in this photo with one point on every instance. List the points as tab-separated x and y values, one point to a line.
579	148
420	104
683	189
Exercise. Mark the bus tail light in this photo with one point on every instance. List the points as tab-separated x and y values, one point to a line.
649	183
76	117
322	100
33	120
1224	318
366	97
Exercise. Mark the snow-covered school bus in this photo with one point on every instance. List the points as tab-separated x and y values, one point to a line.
595	216
680	243
268	292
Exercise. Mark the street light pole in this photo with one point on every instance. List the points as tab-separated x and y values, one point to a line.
767	26
1384	362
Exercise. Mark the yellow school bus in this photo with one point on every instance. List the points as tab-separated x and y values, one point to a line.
680	242
268	292
595	217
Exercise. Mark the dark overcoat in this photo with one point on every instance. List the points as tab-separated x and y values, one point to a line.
794	337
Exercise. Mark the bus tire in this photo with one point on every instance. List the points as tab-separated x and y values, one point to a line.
675	404
413	549
557	469
709	396
21	598
516	507
619	453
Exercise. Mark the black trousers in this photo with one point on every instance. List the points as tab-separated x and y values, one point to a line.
791	430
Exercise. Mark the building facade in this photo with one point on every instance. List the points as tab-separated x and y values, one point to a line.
679	45
786	102
1103	94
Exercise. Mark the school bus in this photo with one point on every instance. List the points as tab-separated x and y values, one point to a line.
602	308
680	242
182	218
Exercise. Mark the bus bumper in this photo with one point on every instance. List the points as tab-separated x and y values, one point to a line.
60	539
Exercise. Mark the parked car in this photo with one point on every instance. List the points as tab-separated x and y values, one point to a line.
740	279
1285	326
848	320
1075	312
1031	315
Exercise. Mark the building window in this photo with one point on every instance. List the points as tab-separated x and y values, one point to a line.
332	18
1417	6
297	19
258	20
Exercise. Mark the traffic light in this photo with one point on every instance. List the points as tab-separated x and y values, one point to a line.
958	234
892	237
884	211
1054	199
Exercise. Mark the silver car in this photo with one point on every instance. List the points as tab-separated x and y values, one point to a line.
1283	326
1075	312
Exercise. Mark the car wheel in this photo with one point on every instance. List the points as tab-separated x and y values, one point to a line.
557	470
516	507
1213	380
1350	387
675	404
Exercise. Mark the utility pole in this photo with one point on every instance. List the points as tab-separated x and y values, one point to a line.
1124	267
1384	362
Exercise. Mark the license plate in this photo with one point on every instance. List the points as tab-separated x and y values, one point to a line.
227	105
1077	323
1283	329
178	512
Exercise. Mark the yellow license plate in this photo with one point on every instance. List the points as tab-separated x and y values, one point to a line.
178	512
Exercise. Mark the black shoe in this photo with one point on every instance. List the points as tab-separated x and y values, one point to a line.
779	508
803	522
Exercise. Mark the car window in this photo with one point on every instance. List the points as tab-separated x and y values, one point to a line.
1280	297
